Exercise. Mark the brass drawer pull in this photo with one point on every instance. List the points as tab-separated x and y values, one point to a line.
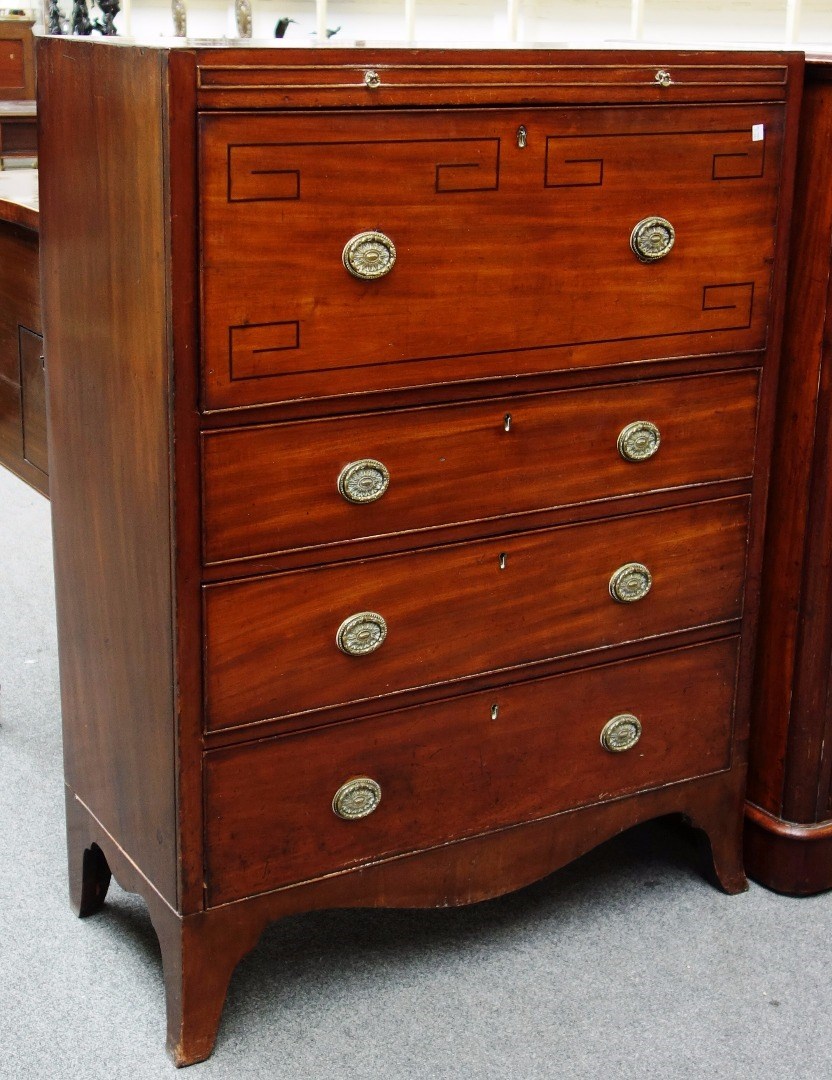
664	78
630	582
361	634
652	239
356	798
372	79
369	255
621	733
639	441
363	481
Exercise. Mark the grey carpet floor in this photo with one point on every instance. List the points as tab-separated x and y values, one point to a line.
626	964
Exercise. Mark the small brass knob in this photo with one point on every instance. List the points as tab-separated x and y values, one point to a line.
372	79
356	798
630	582
639	441
652	238
664	78
621	733
361	634
369	255
363	481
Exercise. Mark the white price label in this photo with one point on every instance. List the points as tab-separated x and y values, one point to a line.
758	133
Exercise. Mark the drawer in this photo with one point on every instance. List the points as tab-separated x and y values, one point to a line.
252	78
275	487
455	612
454	768
509	259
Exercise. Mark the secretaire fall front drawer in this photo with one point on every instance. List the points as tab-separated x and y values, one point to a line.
279	487
304	640
294	807
350	253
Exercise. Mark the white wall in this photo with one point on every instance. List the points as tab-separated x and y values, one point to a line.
475	21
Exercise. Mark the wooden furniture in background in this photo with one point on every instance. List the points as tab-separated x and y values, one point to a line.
789	814
17	60
22	385
18	116
18	130
372	588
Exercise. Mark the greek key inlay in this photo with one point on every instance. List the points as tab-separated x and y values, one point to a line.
361	633
639	441
357	798
621	733
652	238
369	255
630	582
363	481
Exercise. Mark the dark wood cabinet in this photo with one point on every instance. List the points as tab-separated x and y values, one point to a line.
22	372
789	813
411	414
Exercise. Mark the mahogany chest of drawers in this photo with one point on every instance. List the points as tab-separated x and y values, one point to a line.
411	413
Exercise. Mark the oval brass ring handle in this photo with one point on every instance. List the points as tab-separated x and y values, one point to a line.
361	634
356	798
369	255
630	582
363	481
639	441
621	733
652	239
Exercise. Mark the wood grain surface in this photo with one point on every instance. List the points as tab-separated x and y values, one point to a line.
22	388
103	224
272	488
453	613
452	769
532	243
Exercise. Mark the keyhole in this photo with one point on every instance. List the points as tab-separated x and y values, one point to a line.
522	136
495	711
503	560
507	422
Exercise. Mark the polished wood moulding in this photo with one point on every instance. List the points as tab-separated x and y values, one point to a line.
410	426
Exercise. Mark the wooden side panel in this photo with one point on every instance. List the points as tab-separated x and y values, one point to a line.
103	229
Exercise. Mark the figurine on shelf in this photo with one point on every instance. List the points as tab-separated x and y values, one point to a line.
180	18
242	15
81	18
283	26
55	19
109	9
